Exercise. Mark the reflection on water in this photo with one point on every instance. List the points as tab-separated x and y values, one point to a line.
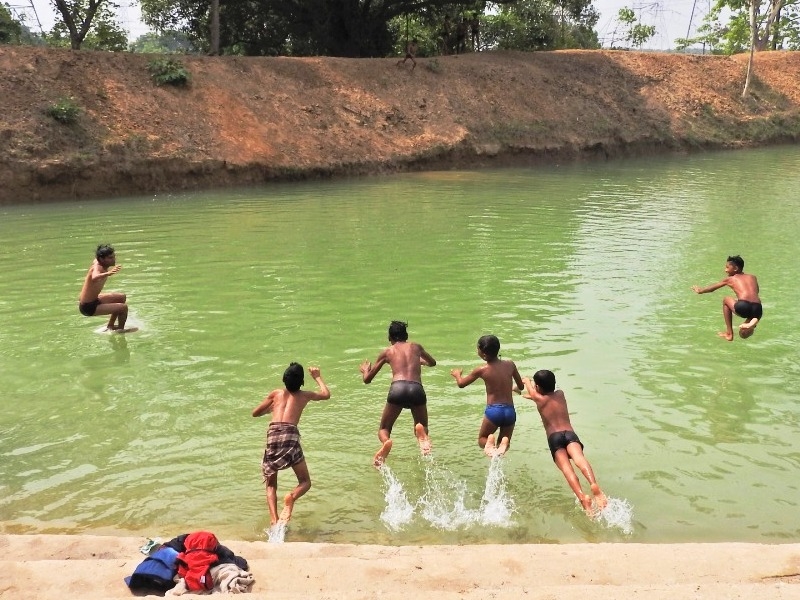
585	270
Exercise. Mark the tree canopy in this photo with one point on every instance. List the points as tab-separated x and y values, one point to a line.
371	28
777	26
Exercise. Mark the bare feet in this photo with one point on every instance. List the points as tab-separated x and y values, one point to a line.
748	328
600	499
503	447
586	503
725	335
288	505
381	454
748	325
422	439
489	449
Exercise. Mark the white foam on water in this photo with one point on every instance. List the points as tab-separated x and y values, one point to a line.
398	511
276	533
496	505
618	514
444	501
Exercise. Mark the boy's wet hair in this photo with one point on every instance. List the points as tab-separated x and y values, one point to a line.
293	377
103	251
397	331
546	380
738	261
489	345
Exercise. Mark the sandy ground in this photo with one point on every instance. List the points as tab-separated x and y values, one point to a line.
85	566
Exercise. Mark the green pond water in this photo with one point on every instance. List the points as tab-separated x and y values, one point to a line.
584	269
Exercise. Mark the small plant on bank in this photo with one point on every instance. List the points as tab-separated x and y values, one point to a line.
166	71
64	111
433	65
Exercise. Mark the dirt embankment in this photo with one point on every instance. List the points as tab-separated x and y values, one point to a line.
254	120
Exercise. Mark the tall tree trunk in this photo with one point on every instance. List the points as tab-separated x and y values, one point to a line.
752	47
215	27
77	35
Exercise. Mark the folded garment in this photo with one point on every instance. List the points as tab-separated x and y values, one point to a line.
230	579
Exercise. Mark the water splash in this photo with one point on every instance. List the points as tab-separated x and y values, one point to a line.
444	500
618	514
398	511
496	505
276	533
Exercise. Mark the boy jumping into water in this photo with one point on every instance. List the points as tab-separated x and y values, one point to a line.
498	376
406	391
562	439
283	437
747	303
91	302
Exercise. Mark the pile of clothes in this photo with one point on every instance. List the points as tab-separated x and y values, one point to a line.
192	563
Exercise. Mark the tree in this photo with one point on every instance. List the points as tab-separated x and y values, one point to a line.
363	28
10	28
169	42
753	32
636	33
77	17
777	26
104	33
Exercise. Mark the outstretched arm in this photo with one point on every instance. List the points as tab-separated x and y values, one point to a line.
99	273
710	288
465	381
517	379
368	370
265	406
425	358
529	388
324	393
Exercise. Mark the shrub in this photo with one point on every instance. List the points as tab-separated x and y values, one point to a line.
166	71
433	65
64	111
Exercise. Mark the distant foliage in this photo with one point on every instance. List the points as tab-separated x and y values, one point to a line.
166	71
64	111
636	33
10	28
167	42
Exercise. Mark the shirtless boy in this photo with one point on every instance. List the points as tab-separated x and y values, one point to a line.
283	437
91	302
406	391
411	53
498	376
747	303
562	439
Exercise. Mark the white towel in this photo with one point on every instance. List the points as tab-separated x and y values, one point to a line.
230	579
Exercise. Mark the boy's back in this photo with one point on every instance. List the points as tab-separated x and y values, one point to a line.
745	286
553	410
498	376
404	359
286	406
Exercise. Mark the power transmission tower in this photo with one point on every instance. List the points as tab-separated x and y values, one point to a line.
27	15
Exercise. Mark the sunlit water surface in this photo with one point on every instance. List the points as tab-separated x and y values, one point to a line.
585	270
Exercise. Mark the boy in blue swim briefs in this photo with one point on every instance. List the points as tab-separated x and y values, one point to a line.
562	439
498	376
747	303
